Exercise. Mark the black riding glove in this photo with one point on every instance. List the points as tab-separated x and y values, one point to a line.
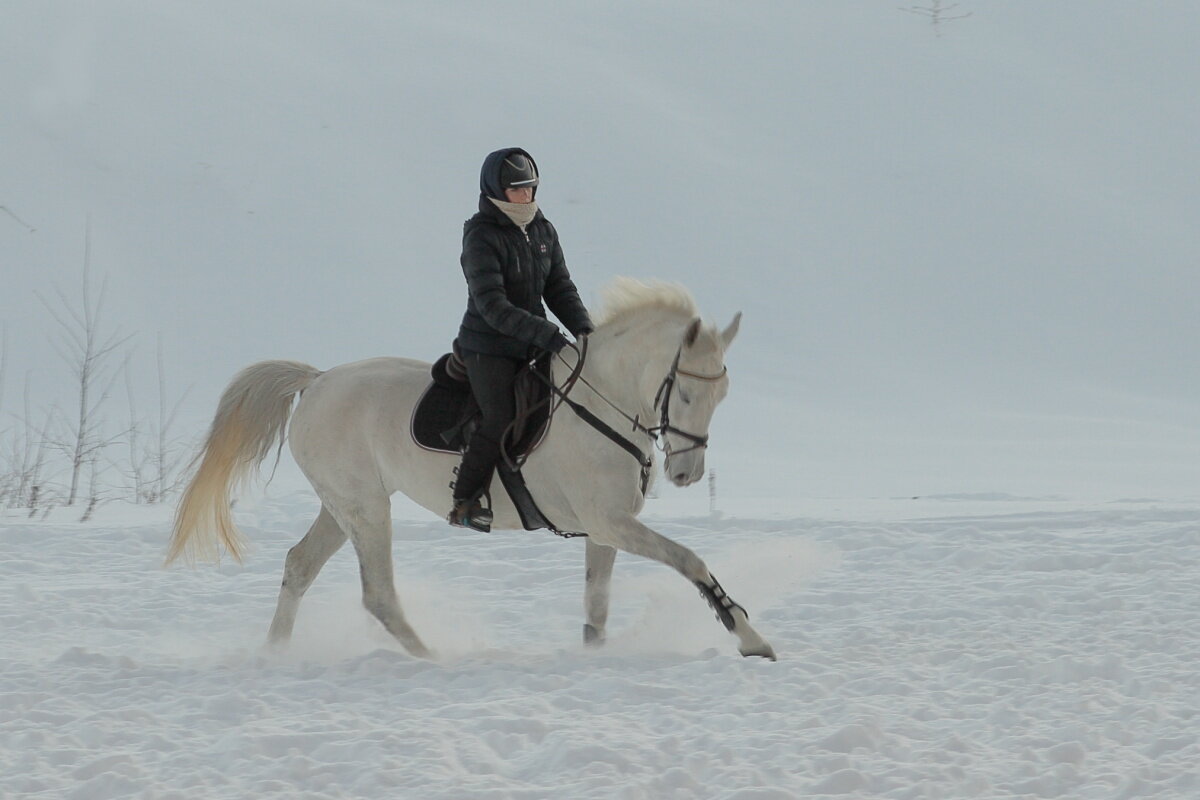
558	342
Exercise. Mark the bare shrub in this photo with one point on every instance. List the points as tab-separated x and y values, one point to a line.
87	350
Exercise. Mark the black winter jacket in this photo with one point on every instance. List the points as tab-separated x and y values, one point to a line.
508	274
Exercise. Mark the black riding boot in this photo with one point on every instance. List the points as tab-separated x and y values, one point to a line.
491	382
474	475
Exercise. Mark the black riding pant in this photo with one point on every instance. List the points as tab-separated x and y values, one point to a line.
491	380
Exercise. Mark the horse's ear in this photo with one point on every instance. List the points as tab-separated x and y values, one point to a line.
693	332
730	332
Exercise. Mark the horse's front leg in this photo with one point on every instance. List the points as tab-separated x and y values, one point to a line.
628	534
599	564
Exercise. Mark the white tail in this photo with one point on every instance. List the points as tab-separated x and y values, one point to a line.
251	417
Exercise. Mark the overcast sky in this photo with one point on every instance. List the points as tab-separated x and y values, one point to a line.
968	261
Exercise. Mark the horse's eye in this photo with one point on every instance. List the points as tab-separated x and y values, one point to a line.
684	397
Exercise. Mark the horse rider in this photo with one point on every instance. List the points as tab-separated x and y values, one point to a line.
512	262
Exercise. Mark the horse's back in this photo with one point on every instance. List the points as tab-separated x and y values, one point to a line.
365	389
353	414
383	368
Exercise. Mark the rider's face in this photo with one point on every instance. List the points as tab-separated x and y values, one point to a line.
521	195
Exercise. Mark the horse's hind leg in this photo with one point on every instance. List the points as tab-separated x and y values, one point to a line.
368	523
303	563
600	560
630	535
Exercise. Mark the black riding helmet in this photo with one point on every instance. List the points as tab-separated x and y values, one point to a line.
510	168
518	171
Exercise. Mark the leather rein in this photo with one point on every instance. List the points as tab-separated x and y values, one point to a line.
656	433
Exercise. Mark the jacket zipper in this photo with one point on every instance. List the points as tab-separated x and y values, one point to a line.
528	242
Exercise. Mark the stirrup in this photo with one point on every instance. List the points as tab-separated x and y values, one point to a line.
471	514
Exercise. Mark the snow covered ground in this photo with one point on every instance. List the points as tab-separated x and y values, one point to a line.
929	648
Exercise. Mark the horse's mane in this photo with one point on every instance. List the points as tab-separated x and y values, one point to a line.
625	296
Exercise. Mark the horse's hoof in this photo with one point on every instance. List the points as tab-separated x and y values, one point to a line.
766	651
591	636
419	650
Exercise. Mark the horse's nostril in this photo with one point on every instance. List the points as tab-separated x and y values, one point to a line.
680	477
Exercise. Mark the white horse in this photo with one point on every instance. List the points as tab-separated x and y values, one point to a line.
649	359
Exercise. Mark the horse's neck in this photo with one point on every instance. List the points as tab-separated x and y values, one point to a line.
628	368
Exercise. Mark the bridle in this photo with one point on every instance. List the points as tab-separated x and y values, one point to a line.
663	395
656	433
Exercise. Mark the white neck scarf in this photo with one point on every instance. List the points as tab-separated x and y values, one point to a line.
520	213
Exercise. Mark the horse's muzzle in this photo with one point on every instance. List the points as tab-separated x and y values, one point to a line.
683	470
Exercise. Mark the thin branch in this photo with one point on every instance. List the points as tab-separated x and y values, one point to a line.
67	329
19	221
80	322
937	14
